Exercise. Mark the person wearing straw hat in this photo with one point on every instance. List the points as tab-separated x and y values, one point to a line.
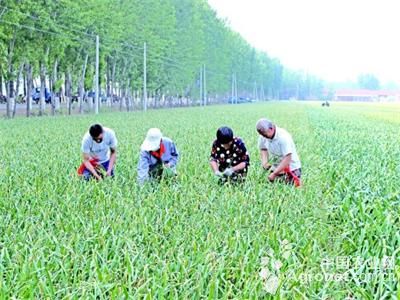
276	142
158	157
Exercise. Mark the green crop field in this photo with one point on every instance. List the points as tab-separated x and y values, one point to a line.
62	238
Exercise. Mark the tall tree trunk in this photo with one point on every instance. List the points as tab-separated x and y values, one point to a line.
91	100
1	83
128	99
113	79
28	71
108	83
68	87
120	97
127	95
61	93
42	88
10	83
10	95
82	84
17	89
181	98
53	88
121	87
24	82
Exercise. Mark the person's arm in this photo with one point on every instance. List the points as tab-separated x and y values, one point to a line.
239	167
89	166
214	161
85	148
214	165
174	157
143	168
113	149
265	159
113	158
264	155
285	162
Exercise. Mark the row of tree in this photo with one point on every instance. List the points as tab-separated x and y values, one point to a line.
55	43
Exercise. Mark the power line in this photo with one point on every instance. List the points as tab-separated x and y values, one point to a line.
119	51
172	62
152	57
35	18
229	78
177	64
140	48
41	30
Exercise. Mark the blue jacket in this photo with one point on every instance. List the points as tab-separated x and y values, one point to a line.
148	163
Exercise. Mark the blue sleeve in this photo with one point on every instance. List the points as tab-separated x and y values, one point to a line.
174	155
143	167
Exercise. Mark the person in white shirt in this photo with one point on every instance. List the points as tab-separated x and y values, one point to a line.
276	142
99	150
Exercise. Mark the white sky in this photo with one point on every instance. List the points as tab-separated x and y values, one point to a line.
334	39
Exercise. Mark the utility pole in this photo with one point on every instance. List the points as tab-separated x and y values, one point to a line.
236	94
144	77
233	88
201	86
97	76
262	93
255	91
204	85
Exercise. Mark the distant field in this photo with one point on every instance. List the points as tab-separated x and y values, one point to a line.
63	238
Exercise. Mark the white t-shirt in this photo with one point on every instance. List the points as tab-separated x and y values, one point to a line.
100	150
281	145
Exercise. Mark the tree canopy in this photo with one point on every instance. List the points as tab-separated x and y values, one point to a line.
57	40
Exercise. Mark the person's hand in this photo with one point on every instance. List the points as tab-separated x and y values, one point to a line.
228	172
108	173
218	173
266	166
98	177
271	177
167	165
168	172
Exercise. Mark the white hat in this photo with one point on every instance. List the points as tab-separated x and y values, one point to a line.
152	140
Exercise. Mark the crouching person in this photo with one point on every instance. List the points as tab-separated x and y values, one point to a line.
99	151
276	142
158	157
229	159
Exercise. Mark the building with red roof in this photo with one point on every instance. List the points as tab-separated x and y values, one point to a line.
366	95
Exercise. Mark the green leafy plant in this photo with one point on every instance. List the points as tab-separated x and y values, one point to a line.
62	237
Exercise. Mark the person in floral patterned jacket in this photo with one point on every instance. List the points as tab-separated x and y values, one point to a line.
229	159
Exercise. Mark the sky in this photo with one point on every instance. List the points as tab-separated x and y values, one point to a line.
334	39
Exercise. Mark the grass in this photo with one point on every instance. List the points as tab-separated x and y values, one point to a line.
64	238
